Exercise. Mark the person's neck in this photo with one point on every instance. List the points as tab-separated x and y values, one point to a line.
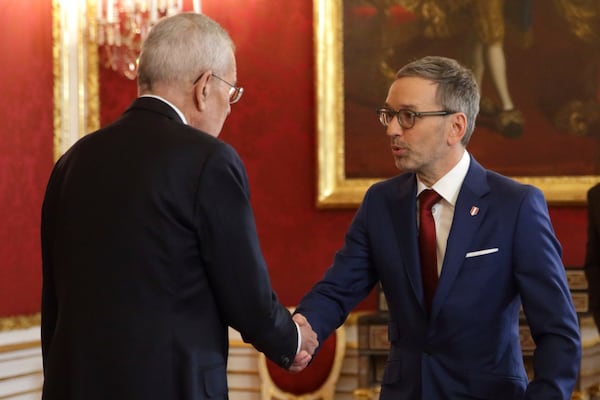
430	177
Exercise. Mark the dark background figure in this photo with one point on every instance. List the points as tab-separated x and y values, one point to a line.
592	253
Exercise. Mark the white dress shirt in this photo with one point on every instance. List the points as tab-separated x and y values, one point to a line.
443	212
177	110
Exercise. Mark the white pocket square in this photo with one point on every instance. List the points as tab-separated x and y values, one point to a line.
481	252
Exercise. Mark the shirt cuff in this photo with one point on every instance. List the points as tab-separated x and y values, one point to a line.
299	338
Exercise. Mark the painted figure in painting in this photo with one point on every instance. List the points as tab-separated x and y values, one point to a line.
581	116
449	18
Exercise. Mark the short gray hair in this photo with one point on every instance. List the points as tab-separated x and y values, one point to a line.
181	47
457	87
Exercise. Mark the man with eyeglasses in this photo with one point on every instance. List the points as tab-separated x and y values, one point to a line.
149	245
458	251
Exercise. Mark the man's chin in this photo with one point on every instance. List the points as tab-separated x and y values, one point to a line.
402	164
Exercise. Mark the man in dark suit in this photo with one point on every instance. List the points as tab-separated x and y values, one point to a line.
592	253
453	329
149	244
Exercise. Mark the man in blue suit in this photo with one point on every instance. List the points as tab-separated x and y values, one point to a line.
453	335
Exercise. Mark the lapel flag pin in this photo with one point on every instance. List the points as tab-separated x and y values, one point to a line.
474	211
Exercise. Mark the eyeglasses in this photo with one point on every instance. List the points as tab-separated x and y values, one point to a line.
235	92
406	117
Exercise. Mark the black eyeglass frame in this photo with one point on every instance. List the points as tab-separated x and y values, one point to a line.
235	93
381	111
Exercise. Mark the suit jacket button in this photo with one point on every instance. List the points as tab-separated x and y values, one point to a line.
285	361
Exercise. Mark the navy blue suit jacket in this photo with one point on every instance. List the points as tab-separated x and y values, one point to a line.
149	253
503	256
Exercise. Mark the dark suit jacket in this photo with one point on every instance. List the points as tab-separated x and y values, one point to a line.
150	251
592	254
497	258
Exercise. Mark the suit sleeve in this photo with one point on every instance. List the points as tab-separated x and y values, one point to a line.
546	301
237	271
592	254
347	281
48	227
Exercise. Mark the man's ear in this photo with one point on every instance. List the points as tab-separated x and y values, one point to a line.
202	90
458	127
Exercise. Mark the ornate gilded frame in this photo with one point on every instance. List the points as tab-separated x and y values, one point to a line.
75	68
334	189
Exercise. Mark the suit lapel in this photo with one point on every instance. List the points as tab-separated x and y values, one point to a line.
402	206
470	210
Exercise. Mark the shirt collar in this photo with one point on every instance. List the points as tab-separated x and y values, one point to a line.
448	186
177	110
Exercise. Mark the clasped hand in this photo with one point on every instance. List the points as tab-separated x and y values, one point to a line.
308	346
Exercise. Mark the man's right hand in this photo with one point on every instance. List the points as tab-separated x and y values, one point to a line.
308	346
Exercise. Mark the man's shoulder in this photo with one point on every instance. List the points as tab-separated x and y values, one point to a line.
496	178
395	188
500	185
403	180
508	191
594	194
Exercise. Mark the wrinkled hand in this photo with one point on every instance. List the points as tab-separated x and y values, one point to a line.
300	362
308	346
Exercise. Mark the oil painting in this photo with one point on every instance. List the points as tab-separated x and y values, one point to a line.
537	63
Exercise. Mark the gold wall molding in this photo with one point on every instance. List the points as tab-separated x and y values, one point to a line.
75	70
19	322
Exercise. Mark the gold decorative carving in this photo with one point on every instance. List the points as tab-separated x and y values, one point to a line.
19	322
57	74
85	73
334	189
92	77
577	395
366	393
594	390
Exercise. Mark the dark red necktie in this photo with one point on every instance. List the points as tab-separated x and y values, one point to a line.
428	244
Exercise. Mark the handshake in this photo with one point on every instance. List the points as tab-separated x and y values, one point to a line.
308	346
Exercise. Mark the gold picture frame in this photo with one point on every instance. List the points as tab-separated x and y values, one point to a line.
334	189
75	70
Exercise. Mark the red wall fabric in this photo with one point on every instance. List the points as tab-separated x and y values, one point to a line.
25	147
272	128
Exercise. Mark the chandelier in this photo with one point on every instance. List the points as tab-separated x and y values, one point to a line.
122	26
